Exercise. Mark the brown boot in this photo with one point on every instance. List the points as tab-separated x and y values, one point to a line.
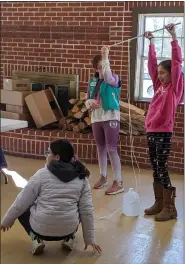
158	205
169	211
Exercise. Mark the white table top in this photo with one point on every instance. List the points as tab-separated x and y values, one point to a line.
11	124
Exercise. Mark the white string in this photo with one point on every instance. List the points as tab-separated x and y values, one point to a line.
108	217
130	122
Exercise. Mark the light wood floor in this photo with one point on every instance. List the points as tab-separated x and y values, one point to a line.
124	240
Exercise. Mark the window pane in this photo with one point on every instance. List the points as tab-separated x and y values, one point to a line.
183	28
158	46
146	47
154	23
147	83
182	48
145	72
148	91
145	69
174	20
167	48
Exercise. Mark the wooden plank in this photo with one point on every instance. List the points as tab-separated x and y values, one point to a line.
75	109
83	96
124	107
82	125
79	115
73	101
76	129
87	120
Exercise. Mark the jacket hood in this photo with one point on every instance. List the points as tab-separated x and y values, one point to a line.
67	172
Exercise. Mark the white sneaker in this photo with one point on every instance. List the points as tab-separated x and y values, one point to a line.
37	246
70	244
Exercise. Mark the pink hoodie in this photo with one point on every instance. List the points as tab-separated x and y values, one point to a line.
161	112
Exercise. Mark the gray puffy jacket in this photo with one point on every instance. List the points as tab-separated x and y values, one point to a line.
59	197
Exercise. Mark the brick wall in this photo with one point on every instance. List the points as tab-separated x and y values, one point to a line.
33	144
63	37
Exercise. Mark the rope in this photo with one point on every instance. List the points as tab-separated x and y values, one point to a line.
130	122
141	36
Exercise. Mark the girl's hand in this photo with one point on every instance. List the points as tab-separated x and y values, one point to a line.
5	228
95	247
105	52
93	103
148	35
171	29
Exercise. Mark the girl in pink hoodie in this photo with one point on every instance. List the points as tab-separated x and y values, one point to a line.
167	78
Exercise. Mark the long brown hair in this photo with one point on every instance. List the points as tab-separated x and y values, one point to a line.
95	62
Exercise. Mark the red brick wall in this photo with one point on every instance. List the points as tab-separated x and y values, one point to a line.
33	144
63	37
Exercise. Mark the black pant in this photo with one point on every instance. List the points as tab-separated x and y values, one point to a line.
24	219
159	144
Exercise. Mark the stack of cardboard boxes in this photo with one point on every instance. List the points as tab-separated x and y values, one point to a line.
13	96
38	108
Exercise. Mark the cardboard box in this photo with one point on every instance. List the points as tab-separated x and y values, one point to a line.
14	97
17	84
17	109
43	107
15	116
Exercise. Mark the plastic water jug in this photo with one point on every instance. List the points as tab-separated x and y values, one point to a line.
131	203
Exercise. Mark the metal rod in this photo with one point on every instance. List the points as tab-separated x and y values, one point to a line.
140	36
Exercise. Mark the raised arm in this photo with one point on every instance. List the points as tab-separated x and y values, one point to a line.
176	66
109	78
152	61
23	201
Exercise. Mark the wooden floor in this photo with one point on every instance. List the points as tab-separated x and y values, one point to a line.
124	240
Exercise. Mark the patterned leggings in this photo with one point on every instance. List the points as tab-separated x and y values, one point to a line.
159	145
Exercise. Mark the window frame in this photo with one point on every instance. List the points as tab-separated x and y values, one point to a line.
137	29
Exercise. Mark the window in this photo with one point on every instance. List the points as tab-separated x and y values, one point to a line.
149	22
